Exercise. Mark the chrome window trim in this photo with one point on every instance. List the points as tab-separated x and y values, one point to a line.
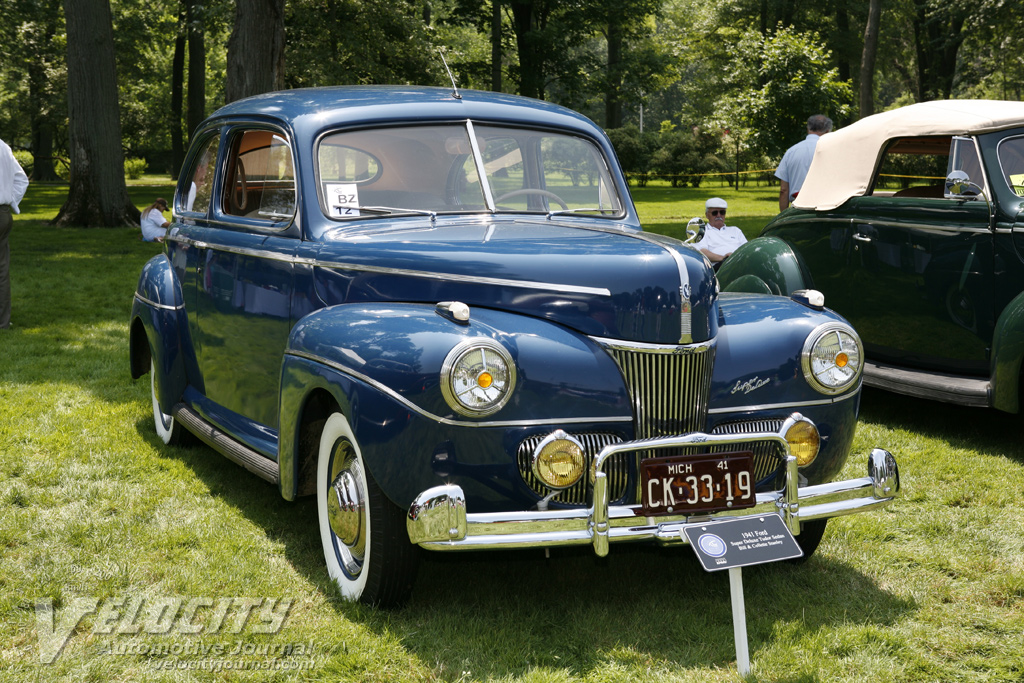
481	170
448	421
162	307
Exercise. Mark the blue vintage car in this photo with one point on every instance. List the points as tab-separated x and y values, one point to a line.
437	312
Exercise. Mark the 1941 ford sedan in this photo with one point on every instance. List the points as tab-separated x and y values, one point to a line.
437	312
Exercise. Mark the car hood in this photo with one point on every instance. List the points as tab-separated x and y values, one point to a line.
599	279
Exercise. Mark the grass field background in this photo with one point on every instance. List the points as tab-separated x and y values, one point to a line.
93	505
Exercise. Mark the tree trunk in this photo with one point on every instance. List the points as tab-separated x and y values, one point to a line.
496	45
178	92
867	60
98	195
255	49
531	61
196	69
612	102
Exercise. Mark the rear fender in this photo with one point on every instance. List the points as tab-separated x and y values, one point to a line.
765	265
159	330
1007	355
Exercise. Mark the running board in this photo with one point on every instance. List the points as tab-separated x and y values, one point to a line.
935	386
260	465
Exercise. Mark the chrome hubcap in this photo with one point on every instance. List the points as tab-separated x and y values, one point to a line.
346	508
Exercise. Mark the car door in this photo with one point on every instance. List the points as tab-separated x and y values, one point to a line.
243	285
914	266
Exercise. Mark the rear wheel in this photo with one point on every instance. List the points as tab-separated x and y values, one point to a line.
366	547
167	428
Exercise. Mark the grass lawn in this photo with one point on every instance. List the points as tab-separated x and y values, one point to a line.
94	507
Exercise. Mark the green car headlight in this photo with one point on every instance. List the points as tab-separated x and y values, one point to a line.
832	358
477	377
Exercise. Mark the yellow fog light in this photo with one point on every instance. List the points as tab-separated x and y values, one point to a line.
803	439
559	460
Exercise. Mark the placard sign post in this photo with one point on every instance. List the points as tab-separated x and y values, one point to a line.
736	543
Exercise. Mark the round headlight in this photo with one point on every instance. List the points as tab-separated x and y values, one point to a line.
559	460
832	359
803	439
478	377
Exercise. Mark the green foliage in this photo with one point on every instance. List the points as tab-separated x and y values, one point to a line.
683	155
634	150
797	81
134	168
25	160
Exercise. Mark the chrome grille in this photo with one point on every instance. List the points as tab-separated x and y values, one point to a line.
767	454
617	468
669	387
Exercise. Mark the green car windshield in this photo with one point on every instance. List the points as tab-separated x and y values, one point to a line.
459	168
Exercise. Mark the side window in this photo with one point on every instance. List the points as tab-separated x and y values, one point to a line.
197	198
1011	162
259	177
913	167
963	156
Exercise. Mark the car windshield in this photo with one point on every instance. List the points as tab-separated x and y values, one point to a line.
438	169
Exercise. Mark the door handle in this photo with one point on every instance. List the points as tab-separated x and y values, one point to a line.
857	237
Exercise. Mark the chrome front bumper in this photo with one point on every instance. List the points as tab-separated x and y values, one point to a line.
438	519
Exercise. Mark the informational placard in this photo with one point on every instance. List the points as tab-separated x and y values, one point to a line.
742	542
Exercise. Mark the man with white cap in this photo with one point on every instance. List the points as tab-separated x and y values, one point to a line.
719	240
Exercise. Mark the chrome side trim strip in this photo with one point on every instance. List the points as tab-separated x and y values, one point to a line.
782	406
626	419
162	307
452	277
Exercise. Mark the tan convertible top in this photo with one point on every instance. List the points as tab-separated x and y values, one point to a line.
844	161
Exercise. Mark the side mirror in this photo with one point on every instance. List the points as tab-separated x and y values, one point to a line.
959	186
695	229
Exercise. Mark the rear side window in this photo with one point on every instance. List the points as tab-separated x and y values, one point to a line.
196	198
1011	162
918	166
259	181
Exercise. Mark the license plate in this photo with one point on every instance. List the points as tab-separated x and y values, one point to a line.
701	483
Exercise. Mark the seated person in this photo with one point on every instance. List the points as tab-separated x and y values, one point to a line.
154	225
719	240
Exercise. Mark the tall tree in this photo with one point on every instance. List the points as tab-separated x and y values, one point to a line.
97	195
938	34
867	62
256	49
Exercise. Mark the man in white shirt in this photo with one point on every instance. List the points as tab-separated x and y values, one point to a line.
13	183
793	168
719	240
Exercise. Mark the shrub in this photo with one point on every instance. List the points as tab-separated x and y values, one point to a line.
25	160
134	168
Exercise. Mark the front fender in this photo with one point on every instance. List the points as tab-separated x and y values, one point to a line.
765	265
396	352
1007	355
159	330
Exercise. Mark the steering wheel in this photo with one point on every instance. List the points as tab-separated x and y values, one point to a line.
241	187
532	190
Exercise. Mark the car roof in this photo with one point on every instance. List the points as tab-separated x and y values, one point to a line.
844	161
309	110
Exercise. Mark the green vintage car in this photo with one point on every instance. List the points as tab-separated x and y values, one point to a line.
911	222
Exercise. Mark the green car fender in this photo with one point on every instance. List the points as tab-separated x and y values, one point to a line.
1007	354
765	265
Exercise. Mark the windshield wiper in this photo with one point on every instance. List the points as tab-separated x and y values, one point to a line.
389	210
561	212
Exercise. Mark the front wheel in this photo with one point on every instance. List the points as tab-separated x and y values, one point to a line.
368	553
809	538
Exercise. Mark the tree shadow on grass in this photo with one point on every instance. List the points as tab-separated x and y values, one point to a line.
502	614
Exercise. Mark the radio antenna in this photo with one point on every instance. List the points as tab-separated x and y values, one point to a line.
455	88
